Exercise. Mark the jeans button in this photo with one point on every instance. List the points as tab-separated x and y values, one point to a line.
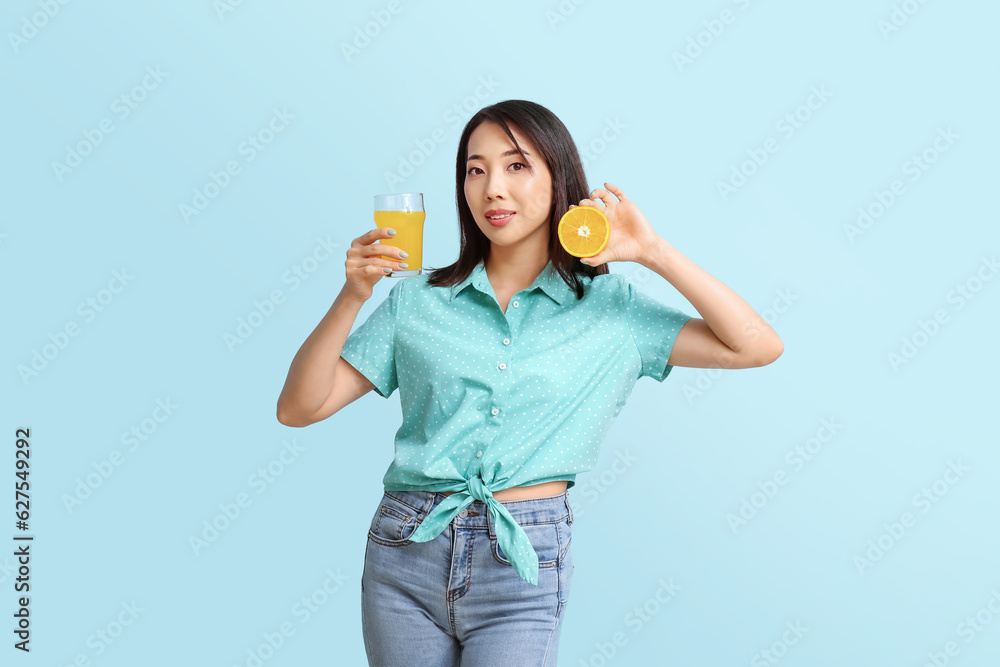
464	513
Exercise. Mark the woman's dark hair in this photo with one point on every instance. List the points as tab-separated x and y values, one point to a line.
569	184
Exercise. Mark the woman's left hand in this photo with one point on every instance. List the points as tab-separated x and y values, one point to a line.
631	237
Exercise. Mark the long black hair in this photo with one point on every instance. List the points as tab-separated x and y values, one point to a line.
569	185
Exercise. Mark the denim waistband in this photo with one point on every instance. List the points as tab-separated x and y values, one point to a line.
550	509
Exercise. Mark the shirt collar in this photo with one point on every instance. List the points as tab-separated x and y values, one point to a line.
549	281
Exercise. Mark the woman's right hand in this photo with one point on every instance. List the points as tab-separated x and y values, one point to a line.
365	265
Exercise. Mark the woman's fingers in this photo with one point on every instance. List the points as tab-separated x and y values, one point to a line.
380	249
376	250
371	236
365	245
616	191
371	256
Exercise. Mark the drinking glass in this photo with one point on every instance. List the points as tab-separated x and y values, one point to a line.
405	214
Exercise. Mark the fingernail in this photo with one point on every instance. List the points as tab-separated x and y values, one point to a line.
387	269
403	253
391	232
403	265
584	261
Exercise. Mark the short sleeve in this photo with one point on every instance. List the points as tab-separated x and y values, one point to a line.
371	347
654	326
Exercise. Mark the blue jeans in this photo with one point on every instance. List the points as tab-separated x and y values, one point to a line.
456	601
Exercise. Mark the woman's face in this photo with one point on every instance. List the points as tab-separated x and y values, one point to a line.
496	181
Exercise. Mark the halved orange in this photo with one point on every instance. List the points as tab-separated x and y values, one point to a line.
584	231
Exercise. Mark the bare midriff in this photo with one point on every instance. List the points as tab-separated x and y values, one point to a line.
544	490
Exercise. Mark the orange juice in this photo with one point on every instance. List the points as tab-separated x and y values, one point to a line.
409	237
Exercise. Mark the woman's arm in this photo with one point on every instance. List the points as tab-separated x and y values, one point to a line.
319	381
730	335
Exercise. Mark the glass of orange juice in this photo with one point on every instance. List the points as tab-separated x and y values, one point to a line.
405	214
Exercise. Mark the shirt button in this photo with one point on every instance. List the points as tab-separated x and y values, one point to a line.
479	453
515	304
496	411
463	513
506	341
503	366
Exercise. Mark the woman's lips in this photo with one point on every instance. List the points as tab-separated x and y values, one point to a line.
501	222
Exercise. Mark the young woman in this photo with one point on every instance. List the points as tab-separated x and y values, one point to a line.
511	365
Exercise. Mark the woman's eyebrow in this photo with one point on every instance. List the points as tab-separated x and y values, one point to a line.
512	151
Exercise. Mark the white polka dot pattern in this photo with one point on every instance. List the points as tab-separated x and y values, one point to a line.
493	400
654	327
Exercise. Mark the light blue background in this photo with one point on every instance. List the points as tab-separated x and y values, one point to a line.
841	307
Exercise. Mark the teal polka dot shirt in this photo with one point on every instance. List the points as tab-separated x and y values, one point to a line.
493	399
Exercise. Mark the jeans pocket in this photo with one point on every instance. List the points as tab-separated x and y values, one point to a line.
565	579
565	528
544	537
394	522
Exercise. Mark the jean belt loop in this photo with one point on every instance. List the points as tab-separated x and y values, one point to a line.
568	508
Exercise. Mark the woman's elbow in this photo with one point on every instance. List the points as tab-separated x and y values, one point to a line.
284	417
771	354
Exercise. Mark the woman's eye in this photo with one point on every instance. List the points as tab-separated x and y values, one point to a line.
469	170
